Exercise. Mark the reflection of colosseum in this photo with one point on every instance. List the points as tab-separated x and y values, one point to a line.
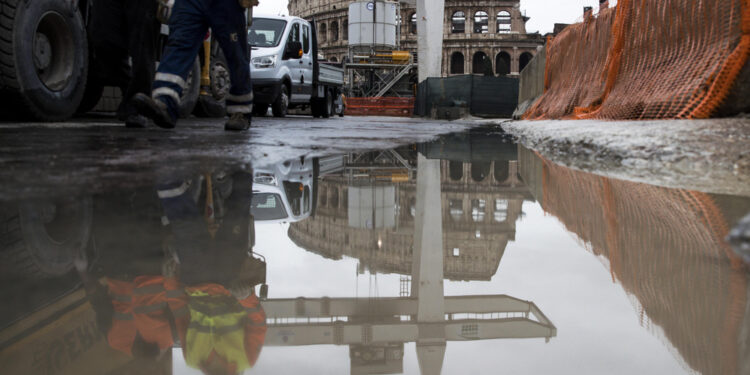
479	218
474	31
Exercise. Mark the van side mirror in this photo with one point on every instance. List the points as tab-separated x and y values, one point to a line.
293	51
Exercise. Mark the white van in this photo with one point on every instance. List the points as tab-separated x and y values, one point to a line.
285	71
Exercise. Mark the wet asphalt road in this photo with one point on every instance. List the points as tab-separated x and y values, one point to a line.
99	154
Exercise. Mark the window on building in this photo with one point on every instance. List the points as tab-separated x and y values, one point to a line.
456	170
323	32
458	23
502	63
479	62
478	210
456	208
503	22
524	60
345	28
502	171
500	213
457	63
413	23
334	31
480	169
481	22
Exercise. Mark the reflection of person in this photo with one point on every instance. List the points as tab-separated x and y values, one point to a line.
226	330
227	323
141	312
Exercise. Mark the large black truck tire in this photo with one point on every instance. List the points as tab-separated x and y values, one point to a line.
43	59
213	105
40	240
192	90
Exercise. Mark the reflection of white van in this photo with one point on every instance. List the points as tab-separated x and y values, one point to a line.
283	192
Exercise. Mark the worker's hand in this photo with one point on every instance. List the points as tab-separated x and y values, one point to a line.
248	3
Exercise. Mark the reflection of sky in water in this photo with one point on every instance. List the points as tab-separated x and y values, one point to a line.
598	329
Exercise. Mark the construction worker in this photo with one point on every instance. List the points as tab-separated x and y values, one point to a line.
122	29
141	311
188	24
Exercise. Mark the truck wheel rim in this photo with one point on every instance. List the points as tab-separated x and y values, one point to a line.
53	51
219	80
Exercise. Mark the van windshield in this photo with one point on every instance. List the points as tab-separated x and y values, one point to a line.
267	206
266	32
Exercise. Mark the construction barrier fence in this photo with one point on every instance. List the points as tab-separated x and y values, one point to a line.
398	107
649	59
482	96
666	248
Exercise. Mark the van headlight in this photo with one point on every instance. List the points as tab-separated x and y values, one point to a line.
263	62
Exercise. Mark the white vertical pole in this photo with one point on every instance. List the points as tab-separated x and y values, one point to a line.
430	14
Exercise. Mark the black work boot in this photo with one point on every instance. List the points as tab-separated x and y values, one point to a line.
136	121
127	113
155	110
238	122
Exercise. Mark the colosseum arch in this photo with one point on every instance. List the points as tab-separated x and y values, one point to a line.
481	22
478	63
524	60
413	23
503	22
457	63
334	31
502	170
323	32
345	28
458	22
502	63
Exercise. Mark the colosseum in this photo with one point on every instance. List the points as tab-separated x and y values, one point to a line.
474	31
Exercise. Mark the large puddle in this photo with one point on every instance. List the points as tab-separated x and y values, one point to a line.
467	255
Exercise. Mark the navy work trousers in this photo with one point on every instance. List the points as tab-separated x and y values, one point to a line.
188	25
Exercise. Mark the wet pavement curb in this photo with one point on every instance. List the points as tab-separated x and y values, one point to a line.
707	155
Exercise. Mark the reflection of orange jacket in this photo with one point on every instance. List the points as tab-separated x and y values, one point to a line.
140	307
220	301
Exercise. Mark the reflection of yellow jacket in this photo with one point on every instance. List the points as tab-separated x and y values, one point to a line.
222	330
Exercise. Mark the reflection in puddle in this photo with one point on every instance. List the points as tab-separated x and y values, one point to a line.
173	266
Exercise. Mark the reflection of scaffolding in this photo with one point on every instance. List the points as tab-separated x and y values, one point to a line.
404	286
380	165
381	74
375	328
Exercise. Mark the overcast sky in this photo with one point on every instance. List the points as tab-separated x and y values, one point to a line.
544	13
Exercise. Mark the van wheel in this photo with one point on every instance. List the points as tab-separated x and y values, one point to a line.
43	58
281	105
327	105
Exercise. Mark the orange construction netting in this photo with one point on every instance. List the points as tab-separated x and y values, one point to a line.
666	248
646	59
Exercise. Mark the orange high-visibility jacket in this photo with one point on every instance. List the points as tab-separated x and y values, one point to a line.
211	329
140	308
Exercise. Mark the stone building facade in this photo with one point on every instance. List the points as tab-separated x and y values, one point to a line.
478	34
481	204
